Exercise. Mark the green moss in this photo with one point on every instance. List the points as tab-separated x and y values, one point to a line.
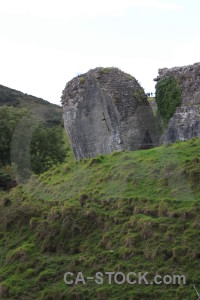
82	79
138	94
105	70
168	98
102	70
109	69
129	77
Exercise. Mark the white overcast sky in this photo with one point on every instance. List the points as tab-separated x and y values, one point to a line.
44	44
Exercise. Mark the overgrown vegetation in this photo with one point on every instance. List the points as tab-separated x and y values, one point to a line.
9	118
47	148
47	144
130	211
168	97
5	179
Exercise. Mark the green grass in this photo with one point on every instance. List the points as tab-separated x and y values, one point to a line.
129	211
151	99
153	105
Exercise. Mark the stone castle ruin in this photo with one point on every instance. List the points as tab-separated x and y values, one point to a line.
106	110
185	122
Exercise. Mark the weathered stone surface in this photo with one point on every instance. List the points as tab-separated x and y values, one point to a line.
107	110
185	123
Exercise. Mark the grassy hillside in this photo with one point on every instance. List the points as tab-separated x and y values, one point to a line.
42	110
130	211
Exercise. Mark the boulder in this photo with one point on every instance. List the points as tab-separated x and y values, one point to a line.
106	110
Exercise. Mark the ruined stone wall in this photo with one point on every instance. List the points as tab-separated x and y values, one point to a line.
185	122
107	110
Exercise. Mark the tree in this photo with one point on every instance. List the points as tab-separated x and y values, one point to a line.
9	117
47	148
27	143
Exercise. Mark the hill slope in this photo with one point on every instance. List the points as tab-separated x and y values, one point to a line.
129	212
42	110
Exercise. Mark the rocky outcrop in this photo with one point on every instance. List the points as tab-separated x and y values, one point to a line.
185	123
107	110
